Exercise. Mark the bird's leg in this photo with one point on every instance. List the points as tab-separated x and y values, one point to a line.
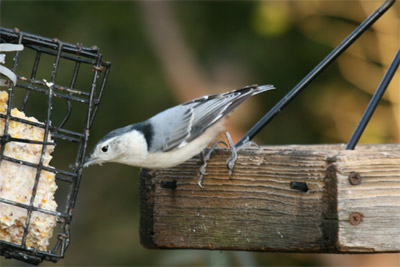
230	162
205	157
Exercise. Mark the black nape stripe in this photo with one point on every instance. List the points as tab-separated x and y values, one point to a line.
147	130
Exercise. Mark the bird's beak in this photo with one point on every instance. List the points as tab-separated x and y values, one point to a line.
89	161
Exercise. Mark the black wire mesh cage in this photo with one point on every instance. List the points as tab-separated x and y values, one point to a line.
46	115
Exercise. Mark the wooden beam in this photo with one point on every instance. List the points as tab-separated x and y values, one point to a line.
261	208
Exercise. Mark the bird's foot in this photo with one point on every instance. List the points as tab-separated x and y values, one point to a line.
205	157
230	162
232	159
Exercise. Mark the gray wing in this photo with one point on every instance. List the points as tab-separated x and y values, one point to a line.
179	125
170	128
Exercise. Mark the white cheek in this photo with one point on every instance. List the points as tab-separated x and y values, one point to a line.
132	149
103	155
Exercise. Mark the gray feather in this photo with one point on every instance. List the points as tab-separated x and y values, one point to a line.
181	124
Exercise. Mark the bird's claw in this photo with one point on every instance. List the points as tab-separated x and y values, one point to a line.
234	156
230	162
202	170
202	173
205	157
249	144
200	180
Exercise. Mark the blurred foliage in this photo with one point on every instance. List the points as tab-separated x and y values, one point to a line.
163	53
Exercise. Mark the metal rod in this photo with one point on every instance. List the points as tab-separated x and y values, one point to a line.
72	85
30	39
374	102
25	206
57	132
5	134
41	90
58	87
33	75
97	100
60	174
315	72
45	143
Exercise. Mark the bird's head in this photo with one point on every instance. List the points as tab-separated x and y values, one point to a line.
104	151
121	145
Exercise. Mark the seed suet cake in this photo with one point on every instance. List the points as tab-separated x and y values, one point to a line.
17	181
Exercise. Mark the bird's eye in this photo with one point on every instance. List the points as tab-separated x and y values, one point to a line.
104	148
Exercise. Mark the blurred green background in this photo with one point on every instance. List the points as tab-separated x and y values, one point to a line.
164	53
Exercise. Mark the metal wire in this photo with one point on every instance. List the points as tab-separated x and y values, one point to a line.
374	102
71	94
315	72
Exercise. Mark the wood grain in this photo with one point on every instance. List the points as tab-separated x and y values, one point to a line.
257	209
376	198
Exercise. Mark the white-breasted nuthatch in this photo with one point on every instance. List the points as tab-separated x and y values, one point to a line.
174	135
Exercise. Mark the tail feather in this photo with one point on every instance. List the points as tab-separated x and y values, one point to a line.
243	94
248	90
263	88
205	111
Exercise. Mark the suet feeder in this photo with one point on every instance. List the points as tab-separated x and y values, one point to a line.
50	106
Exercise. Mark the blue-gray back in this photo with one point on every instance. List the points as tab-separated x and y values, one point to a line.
181	124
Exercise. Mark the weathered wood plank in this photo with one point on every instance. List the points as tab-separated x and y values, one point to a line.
257	209
376	199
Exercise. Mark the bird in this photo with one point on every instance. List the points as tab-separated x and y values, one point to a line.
174	135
